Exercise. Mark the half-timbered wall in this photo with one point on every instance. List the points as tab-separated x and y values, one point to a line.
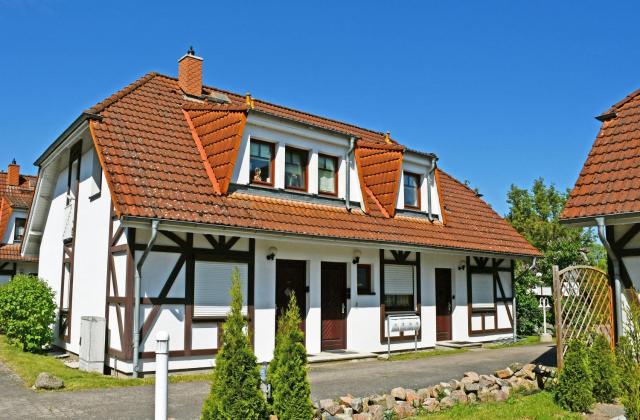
625	241
489	295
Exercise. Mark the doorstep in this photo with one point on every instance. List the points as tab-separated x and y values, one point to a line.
339	356
458	344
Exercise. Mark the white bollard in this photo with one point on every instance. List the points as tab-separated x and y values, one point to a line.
162	372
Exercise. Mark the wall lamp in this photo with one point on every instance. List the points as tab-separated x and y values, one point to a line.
356	256
462	265
272	253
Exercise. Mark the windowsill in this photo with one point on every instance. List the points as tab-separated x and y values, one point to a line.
366	293
95	196
261	184
416	212
293	194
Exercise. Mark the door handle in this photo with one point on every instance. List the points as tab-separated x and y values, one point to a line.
343	309
449	307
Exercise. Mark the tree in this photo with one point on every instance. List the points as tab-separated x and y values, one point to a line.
535	215
628	361
575	384
602	363
235	388
288	369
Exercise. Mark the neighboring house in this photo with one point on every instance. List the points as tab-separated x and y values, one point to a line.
607	195
16	192
193	181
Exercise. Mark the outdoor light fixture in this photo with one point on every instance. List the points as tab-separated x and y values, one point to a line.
272	253
462	265
356	256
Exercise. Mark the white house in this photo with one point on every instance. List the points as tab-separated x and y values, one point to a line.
174	184
16	192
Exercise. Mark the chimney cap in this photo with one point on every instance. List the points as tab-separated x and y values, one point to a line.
191	54
13	162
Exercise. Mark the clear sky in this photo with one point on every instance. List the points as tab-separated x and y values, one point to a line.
502	91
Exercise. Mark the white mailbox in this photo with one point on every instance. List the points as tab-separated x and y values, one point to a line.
404	323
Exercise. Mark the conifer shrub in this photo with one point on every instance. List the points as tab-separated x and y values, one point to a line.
287	373
235	388
628	361
27	311
602	363
574	389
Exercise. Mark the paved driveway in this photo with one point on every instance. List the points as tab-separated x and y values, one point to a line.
185	399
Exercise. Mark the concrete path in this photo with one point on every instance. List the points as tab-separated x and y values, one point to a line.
327	381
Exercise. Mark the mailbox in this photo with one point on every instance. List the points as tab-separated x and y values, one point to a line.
404	323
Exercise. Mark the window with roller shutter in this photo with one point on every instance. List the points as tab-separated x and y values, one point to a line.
212	285
399	287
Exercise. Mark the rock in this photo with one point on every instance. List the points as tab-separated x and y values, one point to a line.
413	398
504	373
389	402
346	412
506	390
474	387
404	410
424	393
346	400
473	376
529	366
362	416
73	364
324	404
502	382
484	395
499	395
515	366
326	416
459	396
472	398
334	409
447	402
48	381
431	405
467	380
376	411
399	393
357	404
454	384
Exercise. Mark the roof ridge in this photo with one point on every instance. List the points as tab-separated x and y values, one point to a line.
105	103
622	102
284	107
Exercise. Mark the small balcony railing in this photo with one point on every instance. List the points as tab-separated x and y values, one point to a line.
69	219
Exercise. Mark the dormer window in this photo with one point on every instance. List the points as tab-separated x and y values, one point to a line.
411	190
327	175
262	162
295	169
18	232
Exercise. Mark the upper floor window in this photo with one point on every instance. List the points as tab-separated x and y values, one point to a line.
327	175
261	162
295	169
18	232
411	190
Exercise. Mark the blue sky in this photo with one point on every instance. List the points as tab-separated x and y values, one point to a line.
503	91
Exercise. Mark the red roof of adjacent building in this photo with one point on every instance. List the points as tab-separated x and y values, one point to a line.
609	183
163	157
14	197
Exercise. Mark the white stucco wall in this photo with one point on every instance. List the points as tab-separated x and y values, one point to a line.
11	225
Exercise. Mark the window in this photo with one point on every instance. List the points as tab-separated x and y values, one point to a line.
96	177
211	288
364	279
295	169
18	231
399	287
261	165
327	175
482	291
411	190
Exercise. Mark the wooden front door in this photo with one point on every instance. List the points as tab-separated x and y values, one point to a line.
291	277
443	304
333	306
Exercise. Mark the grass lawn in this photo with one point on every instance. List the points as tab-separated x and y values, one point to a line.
28	366
538	406
425	353
526	341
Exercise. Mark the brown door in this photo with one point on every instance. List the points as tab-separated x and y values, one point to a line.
291	277
333	306
443	304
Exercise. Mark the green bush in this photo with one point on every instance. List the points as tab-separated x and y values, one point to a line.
602	363
235	388
27	310
528	312
574	390
288	369
628	361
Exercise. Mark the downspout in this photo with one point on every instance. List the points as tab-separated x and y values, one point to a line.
616	273
347	193
430	175
136	302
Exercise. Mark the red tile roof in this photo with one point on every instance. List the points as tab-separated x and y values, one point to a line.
155	169
14	197
609	182
12	253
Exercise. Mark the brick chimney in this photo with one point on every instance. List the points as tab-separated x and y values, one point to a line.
13	174
190	73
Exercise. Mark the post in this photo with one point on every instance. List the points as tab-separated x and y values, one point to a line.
557	302
162	371
388	338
